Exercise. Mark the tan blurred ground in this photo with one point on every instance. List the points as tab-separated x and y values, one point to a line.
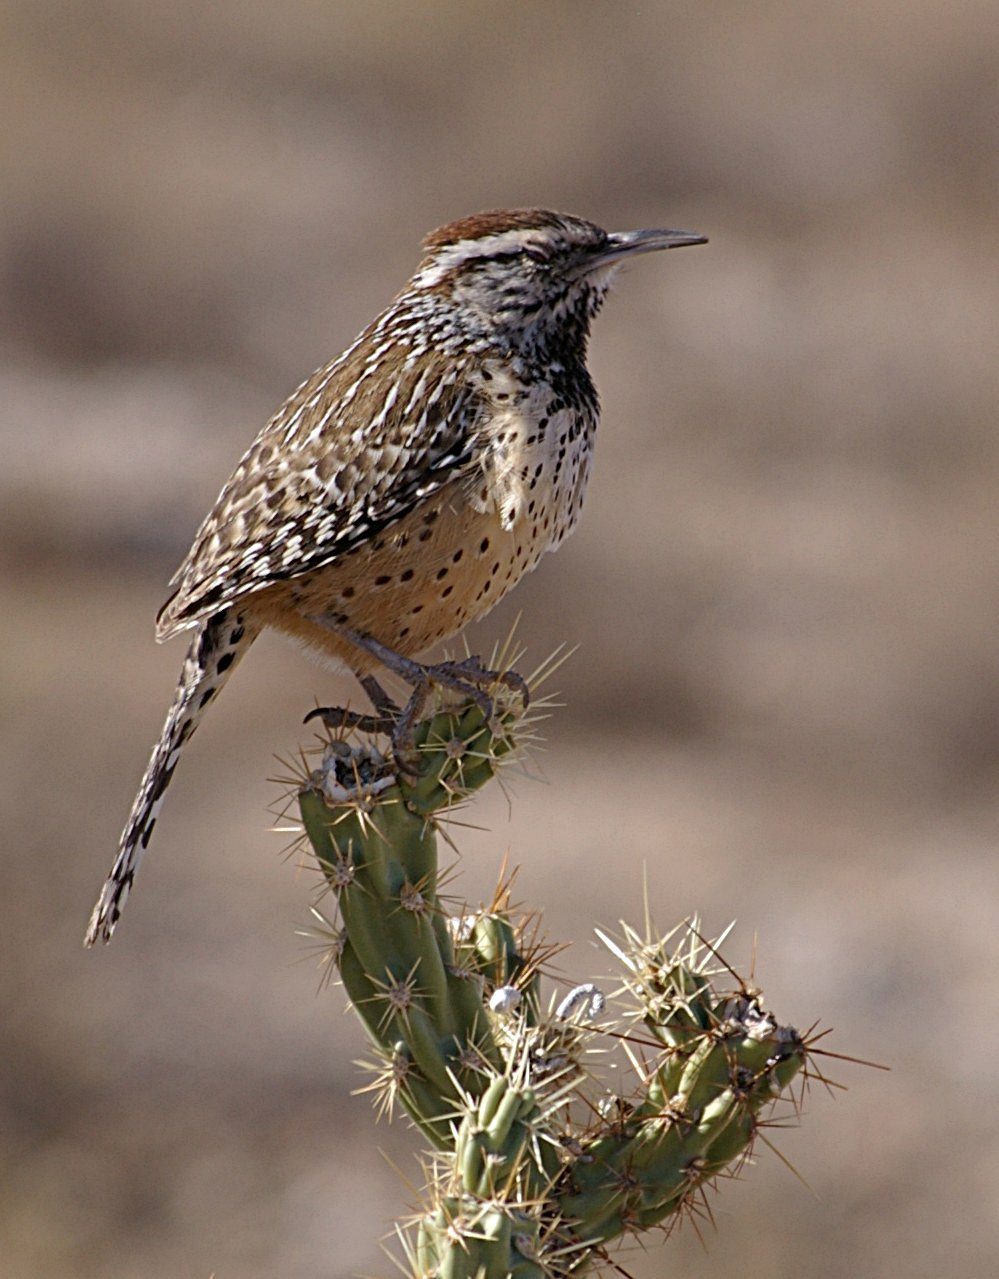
785	700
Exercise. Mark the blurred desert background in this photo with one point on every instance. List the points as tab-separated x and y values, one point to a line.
785	699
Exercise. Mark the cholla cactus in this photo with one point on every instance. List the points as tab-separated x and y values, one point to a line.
534	1165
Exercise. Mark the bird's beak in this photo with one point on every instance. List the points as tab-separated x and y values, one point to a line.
622	244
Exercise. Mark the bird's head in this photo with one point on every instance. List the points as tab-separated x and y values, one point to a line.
533	277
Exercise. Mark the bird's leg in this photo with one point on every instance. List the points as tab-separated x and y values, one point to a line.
468	677
395	722
380	700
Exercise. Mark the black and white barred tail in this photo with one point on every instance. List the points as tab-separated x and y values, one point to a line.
217	646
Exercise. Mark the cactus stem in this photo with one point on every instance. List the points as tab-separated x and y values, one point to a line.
538	1165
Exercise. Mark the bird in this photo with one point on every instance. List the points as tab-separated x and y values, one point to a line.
404	488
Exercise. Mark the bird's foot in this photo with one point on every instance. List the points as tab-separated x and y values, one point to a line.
477	681
470	680
467	677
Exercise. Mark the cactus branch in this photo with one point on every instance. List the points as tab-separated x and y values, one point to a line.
536	1165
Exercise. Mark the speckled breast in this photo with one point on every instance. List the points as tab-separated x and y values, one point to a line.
453	558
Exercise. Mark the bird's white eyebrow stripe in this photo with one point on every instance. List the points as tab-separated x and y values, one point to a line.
487	246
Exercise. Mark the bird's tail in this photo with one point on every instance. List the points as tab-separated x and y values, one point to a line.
217	646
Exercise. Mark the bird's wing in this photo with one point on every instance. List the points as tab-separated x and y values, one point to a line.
357	446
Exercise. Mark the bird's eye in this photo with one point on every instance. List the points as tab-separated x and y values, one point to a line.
536	255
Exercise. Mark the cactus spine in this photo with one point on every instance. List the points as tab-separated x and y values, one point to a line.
526	1178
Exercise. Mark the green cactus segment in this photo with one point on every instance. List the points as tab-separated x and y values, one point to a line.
490	945
466	1238
492	1143
375	838
634	1176
457	754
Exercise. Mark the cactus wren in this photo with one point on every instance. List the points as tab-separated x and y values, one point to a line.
403	489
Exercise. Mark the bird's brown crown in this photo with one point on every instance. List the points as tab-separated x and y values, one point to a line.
477	226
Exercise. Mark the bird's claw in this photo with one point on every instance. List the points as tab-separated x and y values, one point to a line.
339	717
